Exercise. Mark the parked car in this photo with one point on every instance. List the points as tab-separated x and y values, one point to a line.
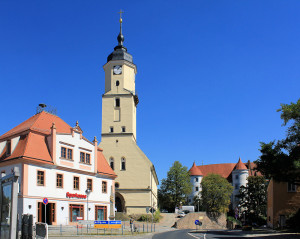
164	210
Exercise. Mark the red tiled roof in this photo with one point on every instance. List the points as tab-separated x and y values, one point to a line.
223	169
41	122
103	166
33	146
195	171
240	165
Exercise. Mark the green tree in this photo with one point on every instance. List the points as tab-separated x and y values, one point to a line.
175	188
253	199
215	195
281	160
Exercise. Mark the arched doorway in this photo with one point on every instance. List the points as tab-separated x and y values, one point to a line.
120	203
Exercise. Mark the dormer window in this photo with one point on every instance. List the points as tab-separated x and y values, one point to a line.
8	148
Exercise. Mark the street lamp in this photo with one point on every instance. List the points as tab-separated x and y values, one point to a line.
87	192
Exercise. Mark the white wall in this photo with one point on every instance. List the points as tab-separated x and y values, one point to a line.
77	142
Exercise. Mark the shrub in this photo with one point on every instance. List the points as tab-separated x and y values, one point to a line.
293	221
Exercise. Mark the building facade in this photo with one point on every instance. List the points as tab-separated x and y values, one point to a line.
236	174
58	163
283	200
136	185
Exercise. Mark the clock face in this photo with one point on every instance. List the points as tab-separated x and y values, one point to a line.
117	70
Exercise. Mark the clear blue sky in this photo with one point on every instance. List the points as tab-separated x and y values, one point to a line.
211	74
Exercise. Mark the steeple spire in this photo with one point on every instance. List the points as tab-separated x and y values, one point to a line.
120	36
120	51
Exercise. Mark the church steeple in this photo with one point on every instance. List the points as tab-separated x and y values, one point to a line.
120	51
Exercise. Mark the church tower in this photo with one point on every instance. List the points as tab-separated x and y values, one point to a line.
136	184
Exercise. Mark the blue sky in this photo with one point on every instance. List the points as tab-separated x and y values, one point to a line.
211	74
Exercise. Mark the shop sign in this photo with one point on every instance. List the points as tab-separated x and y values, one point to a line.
75	195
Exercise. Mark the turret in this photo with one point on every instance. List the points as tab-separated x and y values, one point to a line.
196	177
240	174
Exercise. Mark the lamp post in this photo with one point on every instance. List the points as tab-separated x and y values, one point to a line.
87	192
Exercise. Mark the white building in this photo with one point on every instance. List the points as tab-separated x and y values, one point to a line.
56	162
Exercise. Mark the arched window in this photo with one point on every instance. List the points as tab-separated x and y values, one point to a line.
117	83
111	163
117	102
123	164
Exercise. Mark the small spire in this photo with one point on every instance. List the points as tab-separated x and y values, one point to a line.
120	37
77	123
95	139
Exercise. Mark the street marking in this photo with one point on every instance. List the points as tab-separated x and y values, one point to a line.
200	236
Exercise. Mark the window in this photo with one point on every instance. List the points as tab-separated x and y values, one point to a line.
63	152
59	181
117	83
197	189
100	213
196	179
292	187
236	186
8	147
66	153
104	187
3	173
88	158
85	158
117	185
82	156
111	129
70	154
123	164
111	163
89	184
123	129
117	102
75	212
40	178
76	183
236	176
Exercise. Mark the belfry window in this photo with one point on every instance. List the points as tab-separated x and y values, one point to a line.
111	163
123	164
117	104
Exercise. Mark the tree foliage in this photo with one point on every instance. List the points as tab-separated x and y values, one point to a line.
216	192
175	188
280	159
253	198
